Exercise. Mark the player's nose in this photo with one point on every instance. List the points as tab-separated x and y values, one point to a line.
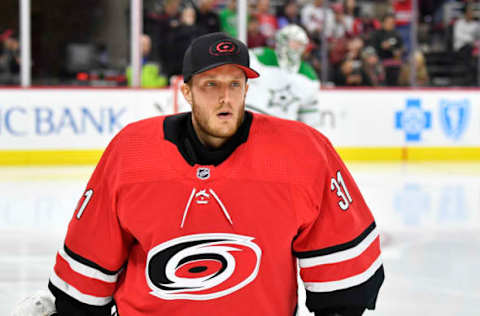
225	95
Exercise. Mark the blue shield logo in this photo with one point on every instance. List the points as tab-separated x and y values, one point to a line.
454	117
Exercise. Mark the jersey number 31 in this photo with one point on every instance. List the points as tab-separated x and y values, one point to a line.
342	191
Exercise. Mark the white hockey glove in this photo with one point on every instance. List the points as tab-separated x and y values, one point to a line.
41	303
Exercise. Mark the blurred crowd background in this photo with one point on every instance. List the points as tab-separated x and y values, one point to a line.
364	42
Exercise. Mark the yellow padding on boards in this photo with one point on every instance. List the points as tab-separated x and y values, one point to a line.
443	153
374	154
409	153
49	157
371	153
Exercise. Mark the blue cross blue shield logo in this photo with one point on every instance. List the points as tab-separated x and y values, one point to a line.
454	117
413	120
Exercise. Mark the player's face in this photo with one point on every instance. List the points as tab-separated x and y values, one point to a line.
217	97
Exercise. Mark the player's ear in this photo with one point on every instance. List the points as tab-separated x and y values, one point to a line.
187	92
246	90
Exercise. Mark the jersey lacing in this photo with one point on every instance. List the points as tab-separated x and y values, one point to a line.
215	196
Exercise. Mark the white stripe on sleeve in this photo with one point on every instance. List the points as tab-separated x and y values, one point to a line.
73	292
341	255
86	270
345	283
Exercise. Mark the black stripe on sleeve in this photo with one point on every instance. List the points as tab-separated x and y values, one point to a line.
87	262
341	311
337	248
362	295
68	306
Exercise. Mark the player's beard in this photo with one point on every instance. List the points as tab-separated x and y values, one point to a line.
208	126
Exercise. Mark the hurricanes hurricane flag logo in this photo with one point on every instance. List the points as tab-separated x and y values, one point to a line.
202	266
223	47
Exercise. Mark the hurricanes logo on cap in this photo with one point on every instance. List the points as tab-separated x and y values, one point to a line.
223	47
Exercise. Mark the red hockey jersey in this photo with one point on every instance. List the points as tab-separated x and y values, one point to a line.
163	237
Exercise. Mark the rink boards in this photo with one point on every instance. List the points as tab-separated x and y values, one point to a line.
73	126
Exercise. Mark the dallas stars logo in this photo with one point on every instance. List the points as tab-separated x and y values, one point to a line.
282	98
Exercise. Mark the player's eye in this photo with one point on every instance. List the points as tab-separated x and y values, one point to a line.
236	84
211	83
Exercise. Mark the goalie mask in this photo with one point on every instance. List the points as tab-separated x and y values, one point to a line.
290	43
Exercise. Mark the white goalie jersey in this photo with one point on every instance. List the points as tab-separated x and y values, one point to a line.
282	93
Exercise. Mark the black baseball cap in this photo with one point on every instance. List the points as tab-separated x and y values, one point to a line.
213	50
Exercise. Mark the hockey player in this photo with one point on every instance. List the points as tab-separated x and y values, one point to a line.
206	212
289	86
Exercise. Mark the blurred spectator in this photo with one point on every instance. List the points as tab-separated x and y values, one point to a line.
389	46
4	35
374	74
179	39
151	77
421	78
359	18
366	23
352	12
207	17
337	50
9	58
228	18
313	15
266	20
433	10
345	48
289	14
350	73
254	37
158	26
465	31
343	26
355	46
350	7
317	16
403	21
345	73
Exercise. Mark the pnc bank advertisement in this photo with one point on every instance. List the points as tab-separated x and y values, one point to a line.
87	119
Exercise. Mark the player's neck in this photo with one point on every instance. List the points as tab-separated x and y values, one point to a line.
208	141
202	154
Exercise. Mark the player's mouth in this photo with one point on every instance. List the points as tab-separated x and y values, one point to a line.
225	115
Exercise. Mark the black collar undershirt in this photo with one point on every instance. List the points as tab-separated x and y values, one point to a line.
179	130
